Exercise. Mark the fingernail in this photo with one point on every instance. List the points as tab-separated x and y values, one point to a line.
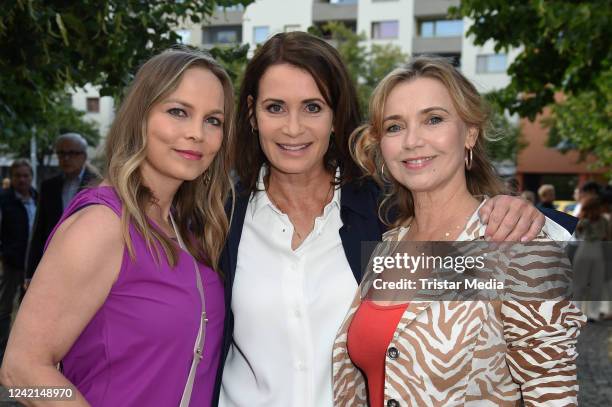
524	239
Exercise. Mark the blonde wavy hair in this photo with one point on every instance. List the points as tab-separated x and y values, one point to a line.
365	140
198	206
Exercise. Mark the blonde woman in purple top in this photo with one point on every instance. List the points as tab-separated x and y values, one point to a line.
128	295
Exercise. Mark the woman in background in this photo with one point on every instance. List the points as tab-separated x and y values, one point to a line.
118	297
589	261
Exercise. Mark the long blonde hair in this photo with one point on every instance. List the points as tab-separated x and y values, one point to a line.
365	140
199	204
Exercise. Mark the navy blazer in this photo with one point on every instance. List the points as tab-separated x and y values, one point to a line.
567	221
359	214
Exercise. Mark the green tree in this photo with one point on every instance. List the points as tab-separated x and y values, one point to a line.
46	47
564	48
61	117
583	122
234	60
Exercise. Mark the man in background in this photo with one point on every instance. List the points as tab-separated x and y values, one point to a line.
17	213
57	192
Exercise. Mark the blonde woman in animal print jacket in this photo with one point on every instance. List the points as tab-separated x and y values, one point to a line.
426	141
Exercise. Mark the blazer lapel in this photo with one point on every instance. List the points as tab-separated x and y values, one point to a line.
358	211
235	232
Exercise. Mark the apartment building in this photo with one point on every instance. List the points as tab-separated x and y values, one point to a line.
417	26
98	109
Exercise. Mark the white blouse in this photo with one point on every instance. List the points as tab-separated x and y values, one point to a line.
288	306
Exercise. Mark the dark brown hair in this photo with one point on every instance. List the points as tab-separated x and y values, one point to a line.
20	162
591	209
323	62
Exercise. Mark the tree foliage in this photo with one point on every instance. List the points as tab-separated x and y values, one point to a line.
46	47
60	117
565	48
234	60
583	122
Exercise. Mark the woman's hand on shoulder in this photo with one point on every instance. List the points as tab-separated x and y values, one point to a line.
71	282
511	219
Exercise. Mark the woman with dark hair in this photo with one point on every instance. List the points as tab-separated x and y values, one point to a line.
292	260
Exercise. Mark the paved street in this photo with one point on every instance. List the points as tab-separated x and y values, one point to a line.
594	367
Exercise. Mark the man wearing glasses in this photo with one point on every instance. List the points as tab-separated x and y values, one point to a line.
57	192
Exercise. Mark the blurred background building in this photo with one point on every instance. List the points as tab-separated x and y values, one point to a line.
417	27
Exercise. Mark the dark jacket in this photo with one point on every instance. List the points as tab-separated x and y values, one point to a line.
567	221
14	229
358	210
14	234
50	209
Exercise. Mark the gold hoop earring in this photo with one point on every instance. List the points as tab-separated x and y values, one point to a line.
469	158
382	174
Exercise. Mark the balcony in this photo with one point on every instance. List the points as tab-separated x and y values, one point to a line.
424	8
440	45
339	11
229	16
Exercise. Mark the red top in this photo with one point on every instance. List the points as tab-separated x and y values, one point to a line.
369	336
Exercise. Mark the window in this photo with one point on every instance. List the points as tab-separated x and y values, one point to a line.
441	28
238	7
385	29
227	34
292	27
185	36
493	63
93	105
226	37
260	34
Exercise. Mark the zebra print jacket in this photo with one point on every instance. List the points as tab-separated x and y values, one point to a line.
473	353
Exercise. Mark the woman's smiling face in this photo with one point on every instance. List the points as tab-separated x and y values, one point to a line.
293	120
424	139
185	129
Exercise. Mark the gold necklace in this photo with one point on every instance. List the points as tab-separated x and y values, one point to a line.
448	233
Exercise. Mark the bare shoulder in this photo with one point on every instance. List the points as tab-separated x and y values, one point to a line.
93	224
88	240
